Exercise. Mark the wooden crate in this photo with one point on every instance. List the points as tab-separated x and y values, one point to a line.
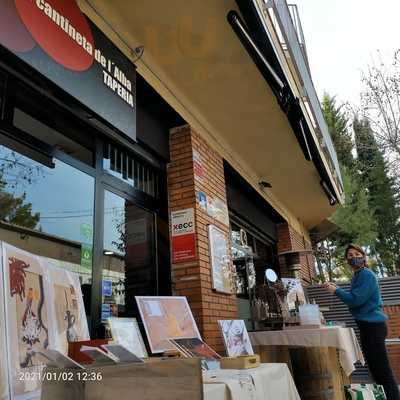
243	362
165	380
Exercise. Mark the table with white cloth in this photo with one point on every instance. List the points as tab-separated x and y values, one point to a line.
326	353
267	382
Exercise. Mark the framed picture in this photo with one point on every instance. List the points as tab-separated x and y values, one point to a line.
164	318
236	338
220	260
295	292
126	332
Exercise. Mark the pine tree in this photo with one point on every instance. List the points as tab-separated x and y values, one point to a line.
355	218
382	195
338	128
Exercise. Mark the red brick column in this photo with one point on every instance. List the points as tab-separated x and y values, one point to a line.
193	279
290	240
394	332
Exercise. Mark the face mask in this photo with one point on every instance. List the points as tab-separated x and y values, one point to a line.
357	261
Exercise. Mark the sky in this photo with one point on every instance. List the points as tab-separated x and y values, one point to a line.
343	37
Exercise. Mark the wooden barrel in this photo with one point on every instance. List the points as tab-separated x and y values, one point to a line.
316	372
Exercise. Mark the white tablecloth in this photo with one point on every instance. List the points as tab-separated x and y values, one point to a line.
344	339
267	382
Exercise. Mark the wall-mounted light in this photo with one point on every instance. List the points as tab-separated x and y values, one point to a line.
108	252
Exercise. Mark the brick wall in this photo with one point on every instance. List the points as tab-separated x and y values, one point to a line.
394	332
290	240
193	279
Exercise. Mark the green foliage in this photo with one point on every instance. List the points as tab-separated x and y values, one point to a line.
355	219
337	123
382	195
15	211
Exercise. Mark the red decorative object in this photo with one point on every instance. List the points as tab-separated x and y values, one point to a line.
17	277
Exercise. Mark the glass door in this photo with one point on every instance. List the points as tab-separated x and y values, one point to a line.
129	255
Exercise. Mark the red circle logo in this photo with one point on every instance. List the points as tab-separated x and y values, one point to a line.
61	30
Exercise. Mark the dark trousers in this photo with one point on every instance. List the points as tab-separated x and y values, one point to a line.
373	337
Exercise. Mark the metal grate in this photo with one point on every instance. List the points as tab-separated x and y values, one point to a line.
390	289
125	166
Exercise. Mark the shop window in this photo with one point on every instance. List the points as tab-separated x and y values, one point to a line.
123	165
129	262
47	210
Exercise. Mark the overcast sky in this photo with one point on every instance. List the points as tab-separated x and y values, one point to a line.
342	37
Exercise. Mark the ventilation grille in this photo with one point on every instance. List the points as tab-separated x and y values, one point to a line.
124	166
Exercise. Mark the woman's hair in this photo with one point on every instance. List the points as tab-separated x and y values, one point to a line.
358	248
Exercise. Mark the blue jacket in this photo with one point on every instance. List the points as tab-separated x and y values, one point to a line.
364	299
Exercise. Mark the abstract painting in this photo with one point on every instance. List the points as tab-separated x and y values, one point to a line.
166	318
236	338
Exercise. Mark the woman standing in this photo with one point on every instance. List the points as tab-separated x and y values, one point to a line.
365	304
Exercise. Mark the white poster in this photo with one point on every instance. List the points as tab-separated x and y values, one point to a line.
220	260
67	308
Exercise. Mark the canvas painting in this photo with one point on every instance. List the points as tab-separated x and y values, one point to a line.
67	306
295	292
125	331
166	318
195	347
27	314
236	338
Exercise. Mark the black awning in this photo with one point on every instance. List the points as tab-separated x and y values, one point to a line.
251	32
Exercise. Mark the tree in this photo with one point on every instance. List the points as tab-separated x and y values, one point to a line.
355	218
381	105
337	122
382	195
16	171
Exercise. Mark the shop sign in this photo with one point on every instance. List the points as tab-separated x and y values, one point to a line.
60	42
86	255
107	288
183	236
86	231
105	312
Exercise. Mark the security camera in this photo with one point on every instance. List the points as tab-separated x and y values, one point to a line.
264	184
